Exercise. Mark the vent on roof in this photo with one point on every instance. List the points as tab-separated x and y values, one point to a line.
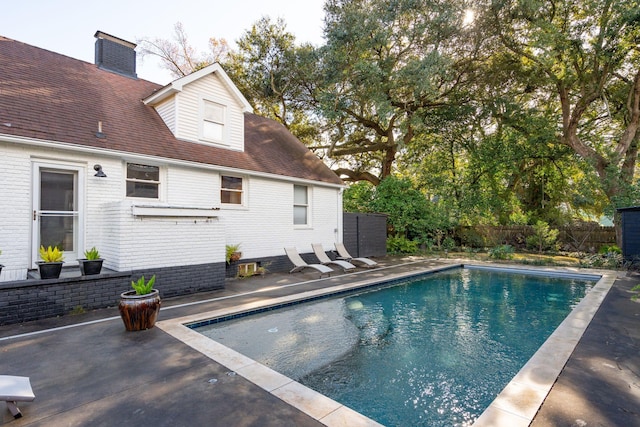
116	55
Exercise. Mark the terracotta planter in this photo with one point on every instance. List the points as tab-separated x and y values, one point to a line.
49	270
235	257
89	267
139	312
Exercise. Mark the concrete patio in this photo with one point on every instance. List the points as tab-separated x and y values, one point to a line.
87	370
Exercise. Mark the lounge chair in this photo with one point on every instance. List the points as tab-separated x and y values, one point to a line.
300	264
344	254
325	260
15	389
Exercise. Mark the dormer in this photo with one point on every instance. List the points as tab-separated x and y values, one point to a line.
204	107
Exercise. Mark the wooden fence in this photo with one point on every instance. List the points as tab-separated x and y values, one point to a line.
586	238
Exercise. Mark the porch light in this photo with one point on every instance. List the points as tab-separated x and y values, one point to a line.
99	173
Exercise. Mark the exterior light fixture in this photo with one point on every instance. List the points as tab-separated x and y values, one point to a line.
99	173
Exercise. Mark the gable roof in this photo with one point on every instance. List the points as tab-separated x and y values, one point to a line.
51	97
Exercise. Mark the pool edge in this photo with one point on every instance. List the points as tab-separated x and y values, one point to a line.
515	406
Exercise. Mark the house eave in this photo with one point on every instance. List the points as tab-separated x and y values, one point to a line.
159	160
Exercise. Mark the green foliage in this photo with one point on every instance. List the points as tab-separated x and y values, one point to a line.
92	254
448	243
230	250
609	249
543	237
51	254
401	245
609	260
143	287
358	197
501	252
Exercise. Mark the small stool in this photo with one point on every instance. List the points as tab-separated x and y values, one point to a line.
15	389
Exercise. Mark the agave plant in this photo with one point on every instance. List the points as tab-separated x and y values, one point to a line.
92	254
143	287
51	254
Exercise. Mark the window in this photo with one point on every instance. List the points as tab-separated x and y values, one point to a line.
300	205
213	121
143	181
231	190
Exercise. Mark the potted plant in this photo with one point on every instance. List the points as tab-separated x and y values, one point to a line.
139	307
51	264
91	263
233	253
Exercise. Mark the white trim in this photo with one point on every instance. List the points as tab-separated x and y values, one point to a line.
130	156
177	86
79	171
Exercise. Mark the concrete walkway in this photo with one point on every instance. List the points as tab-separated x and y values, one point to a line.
87	370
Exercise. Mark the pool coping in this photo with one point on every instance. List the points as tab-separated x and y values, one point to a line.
515	406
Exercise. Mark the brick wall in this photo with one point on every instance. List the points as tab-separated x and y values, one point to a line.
33	299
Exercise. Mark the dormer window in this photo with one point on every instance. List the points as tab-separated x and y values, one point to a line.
213	119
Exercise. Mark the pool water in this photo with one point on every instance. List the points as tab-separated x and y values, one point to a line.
431	351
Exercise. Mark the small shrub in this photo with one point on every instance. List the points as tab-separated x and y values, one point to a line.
607	249
501	252
231	252
448	243
401	245
543	237
142	287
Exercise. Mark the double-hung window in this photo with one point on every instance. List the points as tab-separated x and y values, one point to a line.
300	205
213	117
143	181
231	191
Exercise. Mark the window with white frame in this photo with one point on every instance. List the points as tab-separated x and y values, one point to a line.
231	191
300	205
143	181
213	117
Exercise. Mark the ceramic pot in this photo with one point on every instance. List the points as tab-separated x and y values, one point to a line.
139	312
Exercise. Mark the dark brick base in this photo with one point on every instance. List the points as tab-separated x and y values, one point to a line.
33	299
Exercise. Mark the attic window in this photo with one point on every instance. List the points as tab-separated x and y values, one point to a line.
213	121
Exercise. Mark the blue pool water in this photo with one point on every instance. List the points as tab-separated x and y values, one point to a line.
431	351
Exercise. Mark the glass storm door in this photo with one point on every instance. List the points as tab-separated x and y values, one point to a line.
56	211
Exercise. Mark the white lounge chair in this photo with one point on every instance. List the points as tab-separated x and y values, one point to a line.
325	260
344	254
15	389
300	264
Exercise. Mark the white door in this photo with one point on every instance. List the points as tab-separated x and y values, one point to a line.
57	208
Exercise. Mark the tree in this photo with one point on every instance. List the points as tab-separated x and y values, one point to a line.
579	61
269	69
386	67
178	56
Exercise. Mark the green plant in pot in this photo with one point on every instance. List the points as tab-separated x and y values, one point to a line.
232	253
51	264
91	263
139	307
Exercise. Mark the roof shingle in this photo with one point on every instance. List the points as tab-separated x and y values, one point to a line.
52	97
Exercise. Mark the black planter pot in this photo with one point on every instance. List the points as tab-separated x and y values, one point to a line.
49	270
89	267
139	312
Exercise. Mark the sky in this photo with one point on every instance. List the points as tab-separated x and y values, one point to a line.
68	26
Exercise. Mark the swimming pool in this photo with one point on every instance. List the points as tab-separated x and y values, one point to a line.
433	350
516	405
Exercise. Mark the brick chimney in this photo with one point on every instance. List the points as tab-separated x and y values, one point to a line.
115	55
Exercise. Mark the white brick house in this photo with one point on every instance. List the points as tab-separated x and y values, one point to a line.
188	167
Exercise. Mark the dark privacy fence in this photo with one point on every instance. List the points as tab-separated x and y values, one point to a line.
364	234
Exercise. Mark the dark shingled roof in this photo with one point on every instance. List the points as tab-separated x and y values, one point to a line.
52	97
